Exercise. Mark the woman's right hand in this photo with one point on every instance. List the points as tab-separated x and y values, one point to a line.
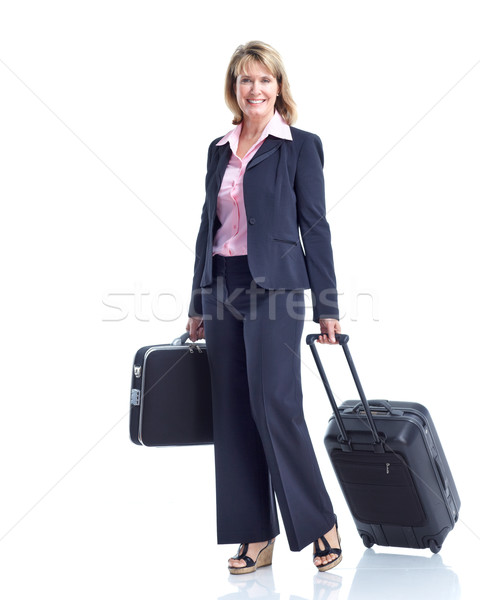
195	328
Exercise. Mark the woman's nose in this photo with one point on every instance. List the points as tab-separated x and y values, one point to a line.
255	88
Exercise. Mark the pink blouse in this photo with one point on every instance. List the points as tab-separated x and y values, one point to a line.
231	237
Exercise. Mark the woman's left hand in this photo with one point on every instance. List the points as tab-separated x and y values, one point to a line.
328	329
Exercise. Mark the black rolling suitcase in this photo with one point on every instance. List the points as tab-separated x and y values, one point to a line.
391	467
170	397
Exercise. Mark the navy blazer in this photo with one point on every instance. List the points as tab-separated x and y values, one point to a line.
283	191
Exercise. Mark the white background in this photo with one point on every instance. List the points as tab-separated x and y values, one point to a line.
107	109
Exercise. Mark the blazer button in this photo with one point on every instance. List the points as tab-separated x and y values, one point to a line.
251	220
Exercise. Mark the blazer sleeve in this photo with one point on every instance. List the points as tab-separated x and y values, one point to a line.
195	307
310	192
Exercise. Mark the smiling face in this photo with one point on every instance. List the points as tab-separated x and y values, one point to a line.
256	91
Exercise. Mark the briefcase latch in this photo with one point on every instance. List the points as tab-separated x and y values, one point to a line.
137	370
135	398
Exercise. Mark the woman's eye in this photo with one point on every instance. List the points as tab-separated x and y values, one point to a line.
245	80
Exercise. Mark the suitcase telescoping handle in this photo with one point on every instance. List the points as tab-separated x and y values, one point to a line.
342	339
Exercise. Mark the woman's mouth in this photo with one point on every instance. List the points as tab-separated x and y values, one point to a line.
255	101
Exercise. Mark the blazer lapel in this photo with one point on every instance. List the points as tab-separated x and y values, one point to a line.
223	158
217	173
269	146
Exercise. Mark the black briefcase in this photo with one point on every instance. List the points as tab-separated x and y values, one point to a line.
170	398
391	467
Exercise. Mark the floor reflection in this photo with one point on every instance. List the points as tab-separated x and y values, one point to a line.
395	576
259	584
377	576
326	586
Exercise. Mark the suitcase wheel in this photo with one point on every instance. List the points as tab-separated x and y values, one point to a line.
434	547
367	540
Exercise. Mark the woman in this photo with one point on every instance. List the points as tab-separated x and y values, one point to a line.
264	181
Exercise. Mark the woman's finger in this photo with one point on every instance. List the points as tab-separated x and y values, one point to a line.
331	332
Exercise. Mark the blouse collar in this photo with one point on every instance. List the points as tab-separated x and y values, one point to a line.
277	126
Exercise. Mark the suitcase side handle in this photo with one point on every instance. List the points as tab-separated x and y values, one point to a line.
344	441
376	404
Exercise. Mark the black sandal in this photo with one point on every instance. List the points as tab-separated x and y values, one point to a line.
328	550
264	559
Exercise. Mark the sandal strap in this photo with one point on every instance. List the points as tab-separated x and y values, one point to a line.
242	555
241	552
328	549
248	561
323	553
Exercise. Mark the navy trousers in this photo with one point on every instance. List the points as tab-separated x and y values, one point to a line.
262	445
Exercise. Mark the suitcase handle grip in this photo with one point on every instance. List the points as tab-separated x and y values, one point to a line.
341	338
345	442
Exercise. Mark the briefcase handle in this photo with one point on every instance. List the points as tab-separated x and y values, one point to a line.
180	341
343	341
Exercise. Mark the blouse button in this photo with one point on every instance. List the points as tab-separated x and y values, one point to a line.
251	220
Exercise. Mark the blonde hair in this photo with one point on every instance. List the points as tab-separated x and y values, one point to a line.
264	54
